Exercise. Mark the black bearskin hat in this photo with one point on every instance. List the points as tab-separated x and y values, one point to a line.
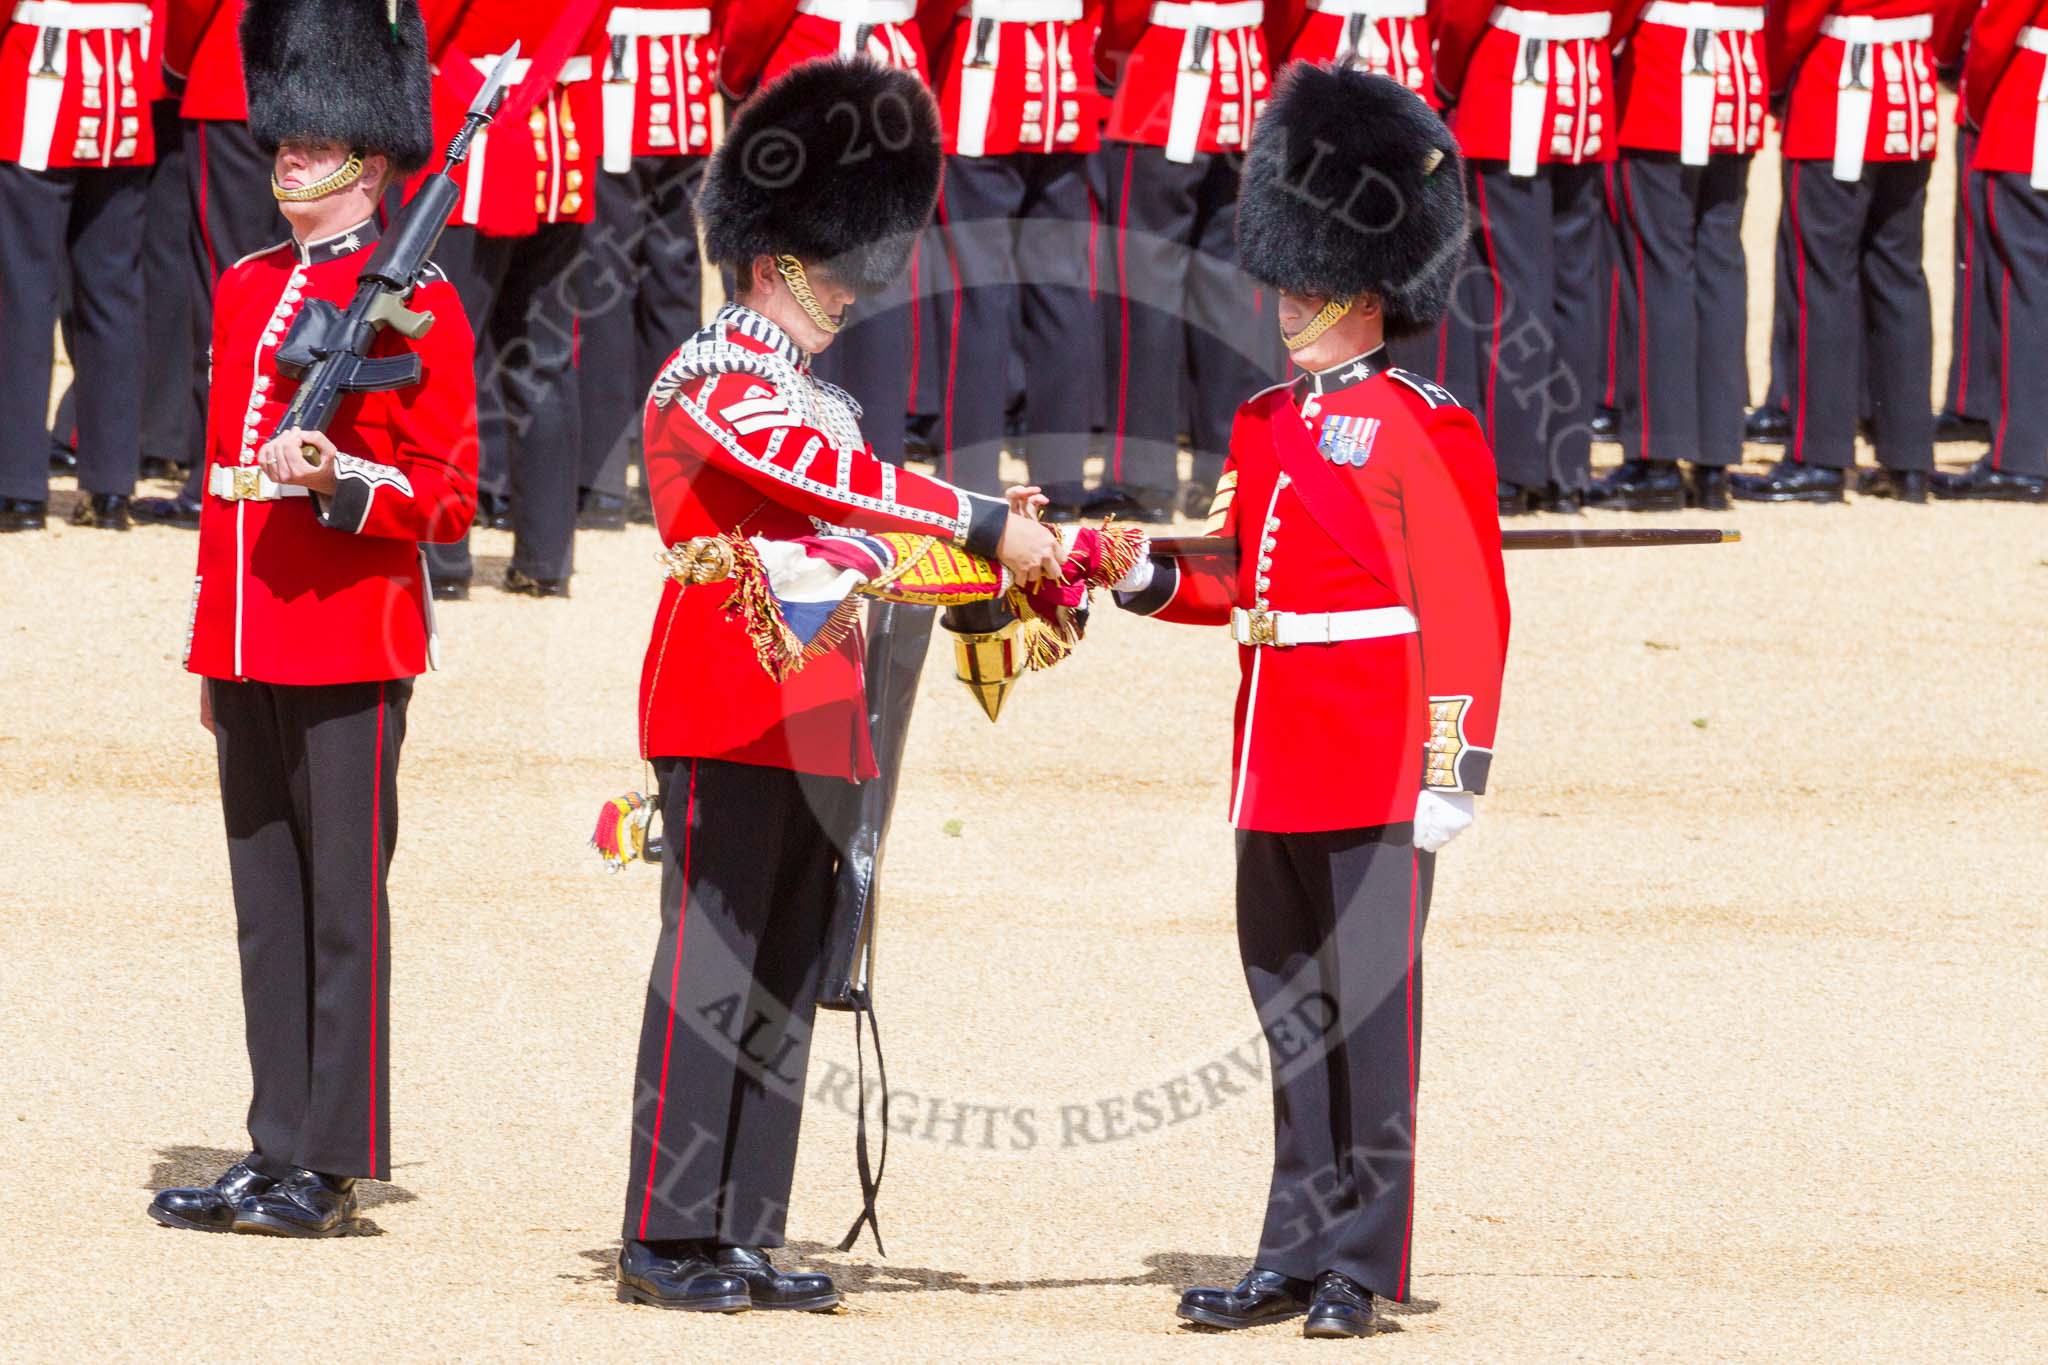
1353	185
836	163
340	71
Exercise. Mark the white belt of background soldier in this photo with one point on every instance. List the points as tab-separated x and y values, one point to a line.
858	21
1286	629
2036	40
1530	97
984	56
1199	23
622	71
576	69
50	59
1853	105
1699	65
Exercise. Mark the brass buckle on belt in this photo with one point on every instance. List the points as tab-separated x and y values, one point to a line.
1262	628
248	484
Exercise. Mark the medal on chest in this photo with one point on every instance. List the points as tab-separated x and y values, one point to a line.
1348	440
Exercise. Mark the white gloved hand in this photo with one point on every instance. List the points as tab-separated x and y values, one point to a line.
1140	576
1441	817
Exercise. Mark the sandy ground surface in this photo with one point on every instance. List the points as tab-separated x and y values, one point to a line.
1736	1011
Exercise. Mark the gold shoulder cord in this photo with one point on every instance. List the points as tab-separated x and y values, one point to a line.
347	174
1332	314
800	289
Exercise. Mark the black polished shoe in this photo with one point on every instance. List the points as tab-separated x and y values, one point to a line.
1953	426
1906	485
63	460
19	514
1767	426
1639	486
493	511
520	585
1708	489
1606	424
1261	1297
1342	1308
1982	483
1517	501
157	467
768	1287
451	589
1557	498
597	511
179	511
105	511
209	1208
678	1275
303	1204
1789	482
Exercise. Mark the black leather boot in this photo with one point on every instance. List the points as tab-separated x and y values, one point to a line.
1261	1297
19	514
1906	485
1982	483
768	1287
1709	489
1788	481
680	1276
1342	1308
209	1208
303	1204
1639	486
105	511
180	511
1767	426
520	585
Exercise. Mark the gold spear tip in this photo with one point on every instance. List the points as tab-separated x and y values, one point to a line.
991	695
987	664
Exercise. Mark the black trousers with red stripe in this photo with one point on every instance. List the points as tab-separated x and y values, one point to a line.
639	290
1190	337
1686	379
746	889
1863	302
520	295
179	316
1973	329
233	214
1016	232
1330	929
87	223
309	785
1543	329
2018	220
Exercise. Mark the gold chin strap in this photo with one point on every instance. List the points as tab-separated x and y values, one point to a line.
347	174
1332	314
800	289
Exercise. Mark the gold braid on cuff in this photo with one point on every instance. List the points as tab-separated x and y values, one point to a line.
345	175
1332	314
800	289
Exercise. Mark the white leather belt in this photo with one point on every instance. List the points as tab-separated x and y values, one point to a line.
658	23
81	18
1698	15
1243	14
1372	9
1285	629
1026	11
1861	28
247	483
1556	28
860	11
2034	39
576	69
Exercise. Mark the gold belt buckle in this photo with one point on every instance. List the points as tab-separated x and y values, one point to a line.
248	484
1262	627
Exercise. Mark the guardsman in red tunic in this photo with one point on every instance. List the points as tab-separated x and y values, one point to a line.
641	283
76	143
311	614
529	188
755	773
1017	95
1532	90
1395	39
1691	94
1860	131
762	39
1367	598
2005	89
1191	80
